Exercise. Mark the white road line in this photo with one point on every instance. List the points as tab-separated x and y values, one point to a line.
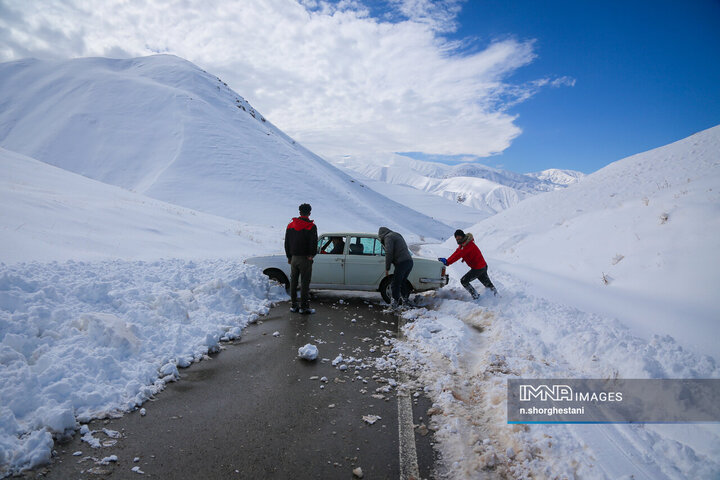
409	469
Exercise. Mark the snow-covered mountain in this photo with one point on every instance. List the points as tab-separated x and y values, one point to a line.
164	128
557	176
638	239
51	214
613	277
484	188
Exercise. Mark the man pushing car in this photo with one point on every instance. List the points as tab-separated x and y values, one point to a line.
471	255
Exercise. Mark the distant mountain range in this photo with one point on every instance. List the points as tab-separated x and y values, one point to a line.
487	189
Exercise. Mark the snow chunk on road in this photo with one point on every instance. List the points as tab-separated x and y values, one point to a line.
308	352
108	460
370	419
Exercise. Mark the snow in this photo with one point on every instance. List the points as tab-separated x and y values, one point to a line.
308	352
463	353
557	176
132	190
556	318
162	127
480	187
83	340
602	245
51	214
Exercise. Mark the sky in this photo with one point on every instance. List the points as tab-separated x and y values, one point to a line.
521	85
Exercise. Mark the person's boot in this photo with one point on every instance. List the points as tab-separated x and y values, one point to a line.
393	307
307	311
294	309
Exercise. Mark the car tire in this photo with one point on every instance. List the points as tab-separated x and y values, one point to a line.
386	288
279	277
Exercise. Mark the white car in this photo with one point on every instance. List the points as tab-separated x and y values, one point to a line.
354	261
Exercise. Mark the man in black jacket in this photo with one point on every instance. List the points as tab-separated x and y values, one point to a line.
301	241
398	254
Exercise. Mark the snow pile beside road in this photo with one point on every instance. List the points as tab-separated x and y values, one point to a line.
86	340
613	277
463	353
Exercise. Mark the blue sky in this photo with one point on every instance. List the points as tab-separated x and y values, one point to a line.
647	74
522	85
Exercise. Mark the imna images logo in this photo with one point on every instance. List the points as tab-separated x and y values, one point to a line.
543	393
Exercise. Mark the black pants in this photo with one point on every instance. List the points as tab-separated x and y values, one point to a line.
399	282
479	274
301	267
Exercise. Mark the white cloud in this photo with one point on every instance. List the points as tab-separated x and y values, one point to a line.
441	15
329	74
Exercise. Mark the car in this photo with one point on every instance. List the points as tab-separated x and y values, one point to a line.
354	261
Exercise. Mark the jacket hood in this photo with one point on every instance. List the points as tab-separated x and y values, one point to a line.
382	232
301	223
468	238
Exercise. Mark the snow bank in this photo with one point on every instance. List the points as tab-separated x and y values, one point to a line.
613	277
463	353
83	340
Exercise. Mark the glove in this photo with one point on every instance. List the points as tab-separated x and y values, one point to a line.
443	260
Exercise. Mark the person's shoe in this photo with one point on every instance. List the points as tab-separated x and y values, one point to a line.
393	307
494	290
307	311
406	302
294	309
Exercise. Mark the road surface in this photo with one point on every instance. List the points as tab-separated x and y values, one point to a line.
258	411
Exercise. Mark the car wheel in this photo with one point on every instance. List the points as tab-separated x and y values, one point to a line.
279	277
386	289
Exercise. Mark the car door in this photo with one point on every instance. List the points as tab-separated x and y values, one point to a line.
329	264
365	261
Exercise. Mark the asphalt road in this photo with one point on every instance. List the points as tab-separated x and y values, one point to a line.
258	411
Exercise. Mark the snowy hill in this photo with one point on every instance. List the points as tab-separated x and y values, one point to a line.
613	277
478	186
163	127
51	214
639	240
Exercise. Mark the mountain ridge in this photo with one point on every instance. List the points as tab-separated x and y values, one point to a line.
163	127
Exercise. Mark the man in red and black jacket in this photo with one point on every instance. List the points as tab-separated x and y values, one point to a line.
471	255
301	241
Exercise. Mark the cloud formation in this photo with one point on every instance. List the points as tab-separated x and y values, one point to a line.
329	74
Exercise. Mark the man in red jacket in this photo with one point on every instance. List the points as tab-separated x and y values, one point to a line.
470	254
301	242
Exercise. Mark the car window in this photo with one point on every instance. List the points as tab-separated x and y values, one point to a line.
365	246
331	245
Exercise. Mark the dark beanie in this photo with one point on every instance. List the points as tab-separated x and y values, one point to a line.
305	209
459	233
